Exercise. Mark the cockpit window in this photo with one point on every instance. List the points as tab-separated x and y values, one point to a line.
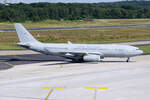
137	49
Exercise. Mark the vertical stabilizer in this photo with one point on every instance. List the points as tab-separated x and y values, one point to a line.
23	35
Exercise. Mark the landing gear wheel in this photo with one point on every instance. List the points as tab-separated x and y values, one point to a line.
128	59
78	60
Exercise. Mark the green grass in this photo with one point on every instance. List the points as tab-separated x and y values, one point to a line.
55	23
146	49
8	40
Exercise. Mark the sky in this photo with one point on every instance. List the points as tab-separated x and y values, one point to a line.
55	1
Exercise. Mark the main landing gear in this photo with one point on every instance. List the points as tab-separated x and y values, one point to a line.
128	59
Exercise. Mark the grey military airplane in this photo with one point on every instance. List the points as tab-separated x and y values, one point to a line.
76	52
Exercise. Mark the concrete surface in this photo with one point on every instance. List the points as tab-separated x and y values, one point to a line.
125	81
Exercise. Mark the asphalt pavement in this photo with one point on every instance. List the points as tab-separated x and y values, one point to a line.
86	27
8	61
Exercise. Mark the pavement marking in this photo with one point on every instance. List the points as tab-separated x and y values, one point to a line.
53	87
51	90
49	94
7	63
61	66
95	90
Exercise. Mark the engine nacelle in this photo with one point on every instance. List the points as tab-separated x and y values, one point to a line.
91	58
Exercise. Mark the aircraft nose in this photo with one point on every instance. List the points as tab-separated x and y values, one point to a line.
140	52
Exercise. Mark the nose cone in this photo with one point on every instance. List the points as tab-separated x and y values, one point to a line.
139	52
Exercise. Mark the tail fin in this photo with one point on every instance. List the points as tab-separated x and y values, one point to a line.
23	35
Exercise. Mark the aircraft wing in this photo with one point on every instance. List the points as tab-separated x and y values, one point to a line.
81	53
72	52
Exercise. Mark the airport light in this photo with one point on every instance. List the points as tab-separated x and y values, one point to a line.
51	90
95	90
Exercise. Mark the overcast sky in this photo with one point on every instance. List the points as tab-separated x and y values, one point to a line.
65	1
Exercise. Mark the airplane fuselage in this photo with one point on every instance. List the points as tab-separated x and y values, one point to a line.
105	50
76	52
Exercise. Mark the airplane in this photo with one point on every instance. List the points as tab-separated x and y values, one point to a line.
75	52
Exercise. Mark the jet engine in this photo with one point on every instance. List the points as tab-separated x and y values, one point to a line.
91	58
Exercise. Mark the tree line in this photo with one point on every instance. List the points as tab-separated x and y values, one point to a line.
71	11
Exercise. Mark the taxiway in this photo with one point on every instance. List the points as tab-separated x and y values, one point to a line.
86	27
125	81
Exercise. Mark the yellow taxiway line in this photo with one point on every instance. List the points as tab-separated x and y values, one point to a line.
51	90
7	63
95	90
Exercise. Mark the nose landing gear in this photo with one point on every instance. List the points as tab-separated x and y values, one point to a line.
128	59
